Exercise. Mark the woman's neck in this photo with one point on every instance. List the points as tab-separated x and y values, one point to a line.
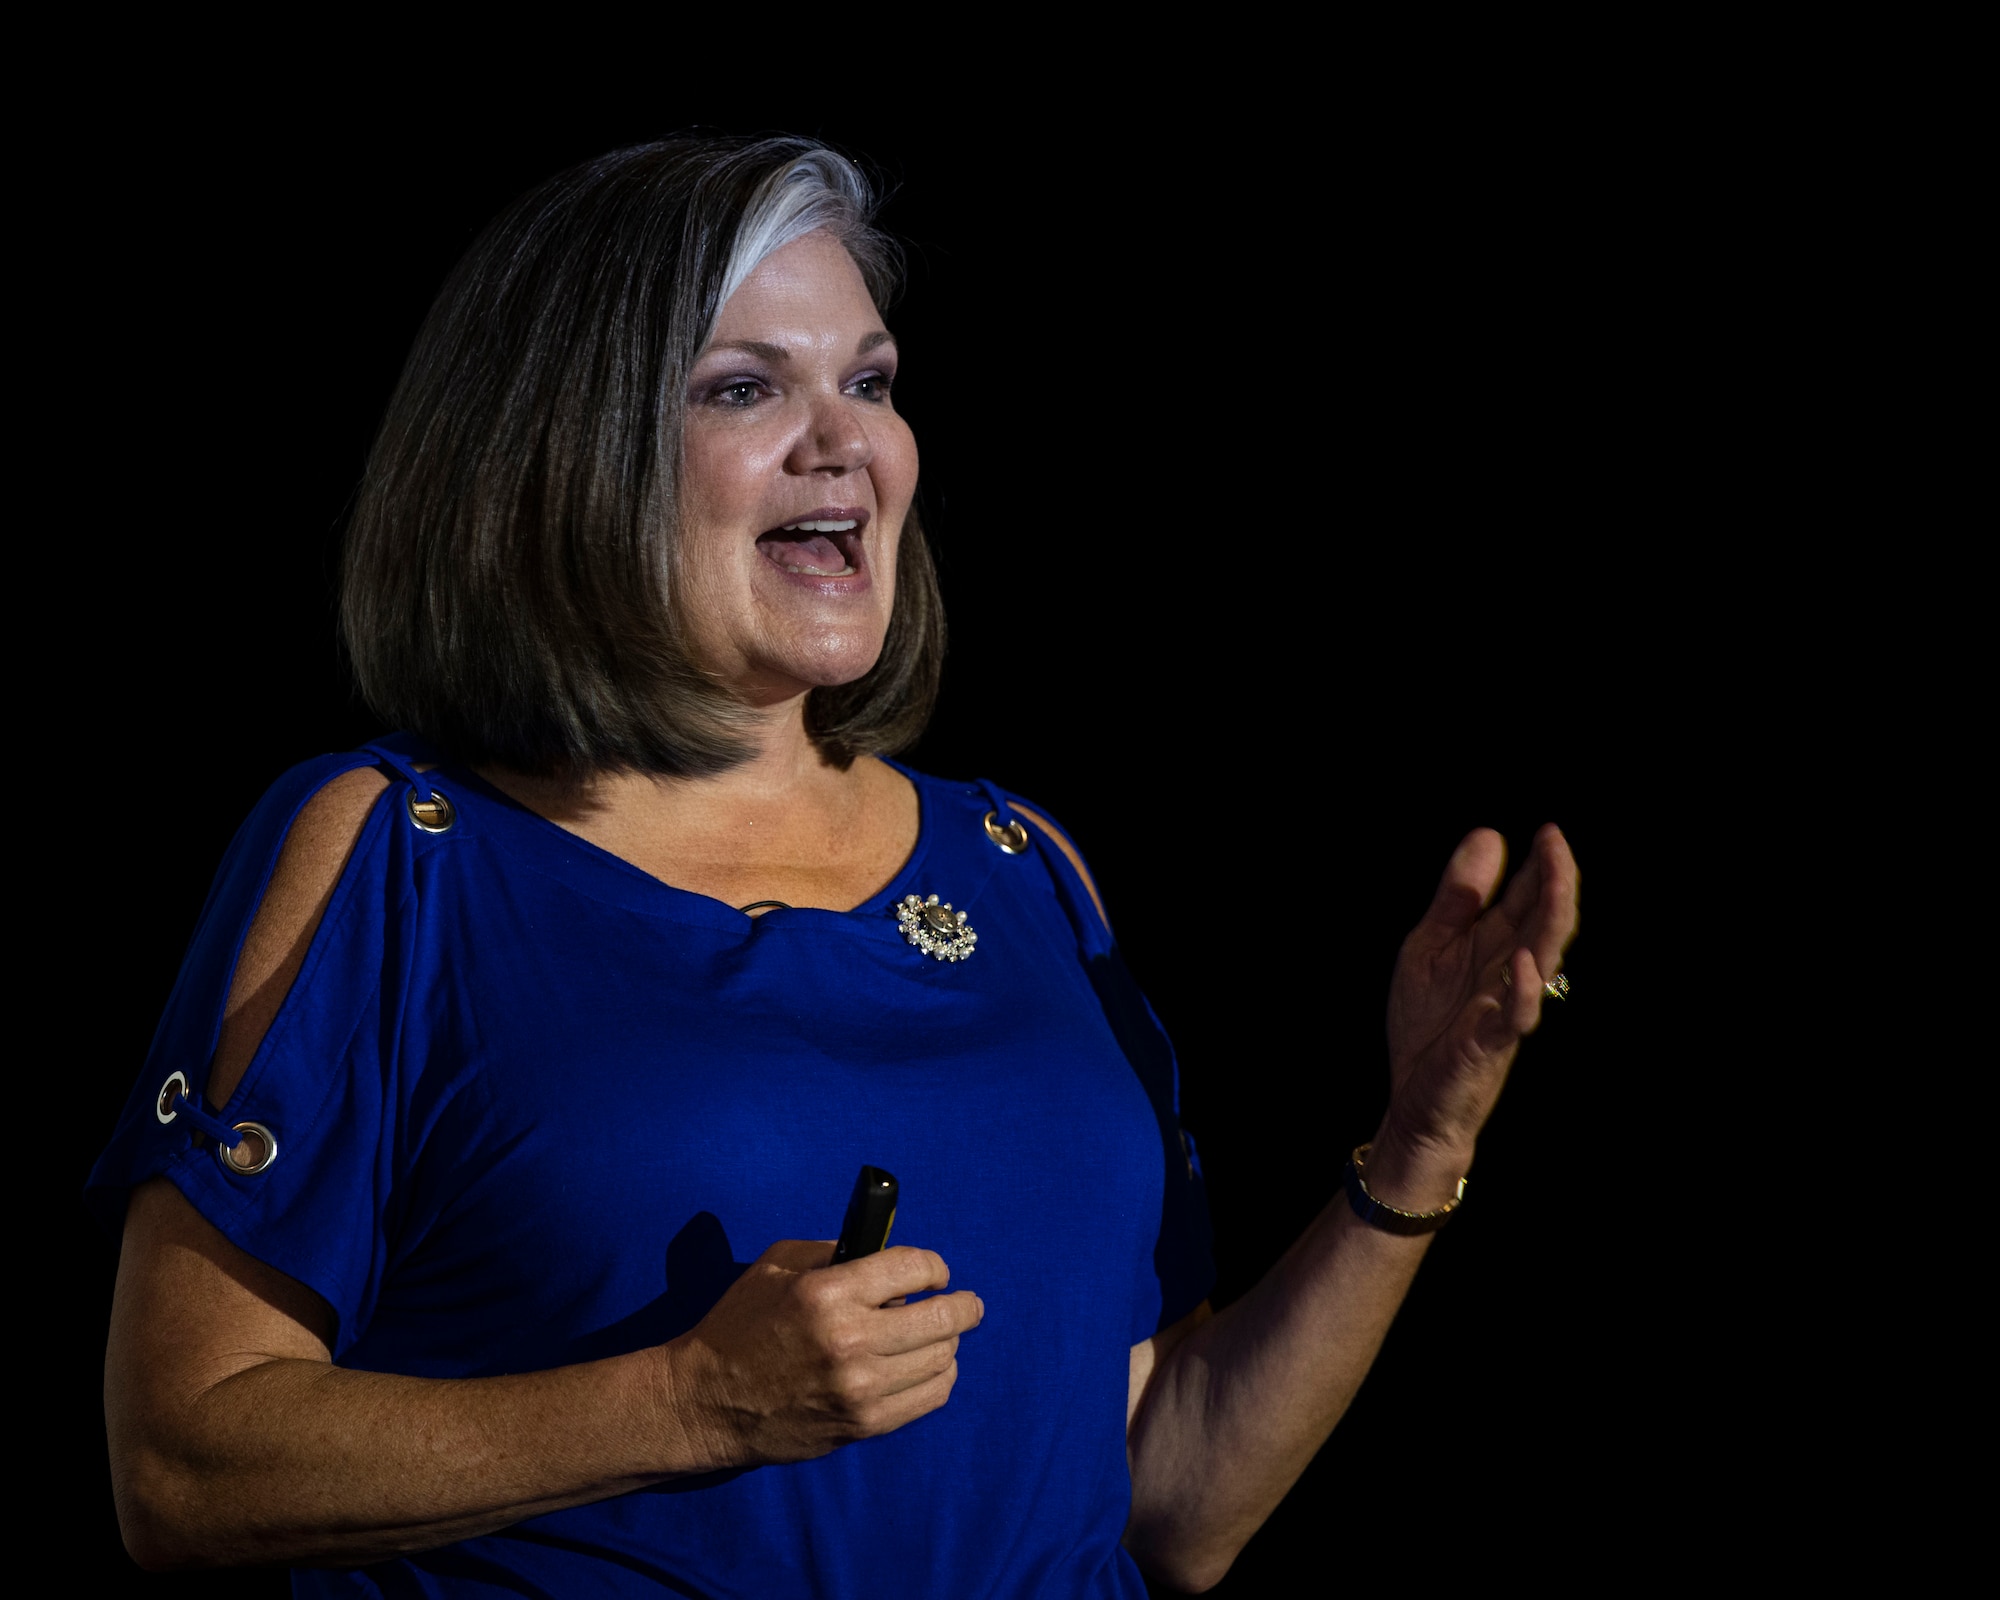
783	824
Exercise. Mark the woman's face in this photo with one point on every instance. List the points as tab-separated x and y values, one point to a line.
799	475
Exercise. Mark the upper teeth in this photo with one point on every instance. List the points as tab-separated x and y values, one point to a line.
822	527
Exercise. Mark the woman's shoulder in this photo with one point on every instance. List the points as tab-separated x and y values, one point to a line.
325	804
1006	817
268	899
1055	835
328	821
306	823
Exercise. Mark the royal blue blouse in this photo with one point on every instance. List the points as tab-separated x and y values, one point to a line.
532	1106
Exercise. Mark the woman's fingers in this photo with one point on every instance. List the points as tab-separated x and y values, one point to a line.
1470	877
1552	924
1544	894
919	1400
895	1374
925	1323
1522	1005
892	1273
1539	907
799	1357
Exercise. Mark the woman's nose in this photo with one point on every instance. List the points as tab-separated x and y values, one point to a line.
834	441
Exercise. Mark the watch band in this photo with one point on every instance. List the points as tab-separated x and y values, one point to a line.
1379	1213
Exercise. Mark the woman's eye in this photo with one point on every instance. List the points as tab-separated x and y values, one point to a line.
743	392
873	386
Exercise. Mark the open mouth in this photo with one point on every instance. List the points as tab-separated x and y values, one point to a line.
824	545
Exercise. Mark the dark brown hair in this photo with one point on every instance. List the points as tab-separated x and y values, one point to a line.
507	590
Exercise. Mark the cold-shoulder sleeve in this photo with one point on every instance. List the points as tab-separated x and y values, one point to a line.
1181	1273
325	1081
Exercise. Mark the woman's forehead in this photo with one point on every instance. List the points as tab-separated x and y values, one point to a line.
809	287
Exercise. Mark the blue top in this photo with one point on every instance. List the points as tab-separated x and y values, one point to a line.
533	1106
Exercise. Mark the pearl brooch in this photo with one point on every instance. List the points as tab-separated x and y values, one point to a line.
935	929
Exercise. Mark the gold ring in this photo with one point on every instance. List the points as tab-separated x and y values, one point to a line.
1557	988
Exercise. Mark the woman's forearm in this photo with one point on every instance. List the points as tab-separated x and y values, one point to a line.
1238	1408
292	1460
235	1439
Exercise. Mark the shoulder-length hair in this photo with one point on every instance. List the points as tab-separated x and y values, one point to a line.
509	583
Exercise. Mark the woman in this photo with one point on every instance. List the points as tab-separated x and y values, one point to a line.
469	1194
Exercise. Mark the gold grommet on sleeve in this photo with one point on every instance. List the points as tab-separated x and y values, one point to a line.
433	815
1013	838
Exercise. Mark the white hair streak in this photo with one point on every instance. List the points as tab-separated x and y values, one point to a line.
821	189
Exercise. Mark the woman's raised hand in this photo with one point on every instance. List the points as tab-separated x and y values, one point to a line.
800	1357
1454	1020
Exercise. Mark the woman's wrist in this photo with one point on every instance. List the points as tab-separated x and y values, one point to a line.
1412	1171
681	1434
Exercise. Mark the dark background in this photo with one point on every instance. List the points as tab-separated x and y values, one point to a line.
1297	508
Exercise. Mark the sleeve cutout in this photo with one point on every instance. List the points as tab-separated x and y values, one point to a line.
317	847
1069	850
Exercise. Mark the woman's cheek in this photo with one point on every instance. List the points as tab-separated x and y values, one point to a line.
731	460
896	469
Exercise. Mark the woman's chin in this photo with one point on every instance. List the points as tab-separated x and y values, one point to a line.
785	676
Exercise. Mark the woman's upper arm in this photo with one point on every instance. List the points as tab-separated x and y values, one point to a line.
1070	853
316	849
173	1260
192	1309
1149	1355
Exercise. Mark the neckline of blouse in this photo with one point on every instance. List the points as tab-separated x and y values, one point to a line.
689	904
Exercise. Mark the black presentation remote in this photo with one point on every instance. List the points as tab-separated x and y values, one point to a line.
871	1212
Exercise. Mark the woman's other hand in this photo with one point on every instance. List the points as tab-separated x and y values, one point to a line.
1228	1409
1455	1021
800	1357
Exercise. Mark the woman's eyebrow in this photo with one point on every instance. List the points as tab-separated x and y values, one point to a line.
753	347
778	353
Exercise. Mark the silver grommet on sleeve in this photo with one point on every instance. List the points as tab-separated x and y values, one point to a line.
256	1152
176	1084
433	815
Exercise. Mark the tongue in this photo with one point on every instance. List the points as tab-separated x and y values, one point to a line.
803	550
